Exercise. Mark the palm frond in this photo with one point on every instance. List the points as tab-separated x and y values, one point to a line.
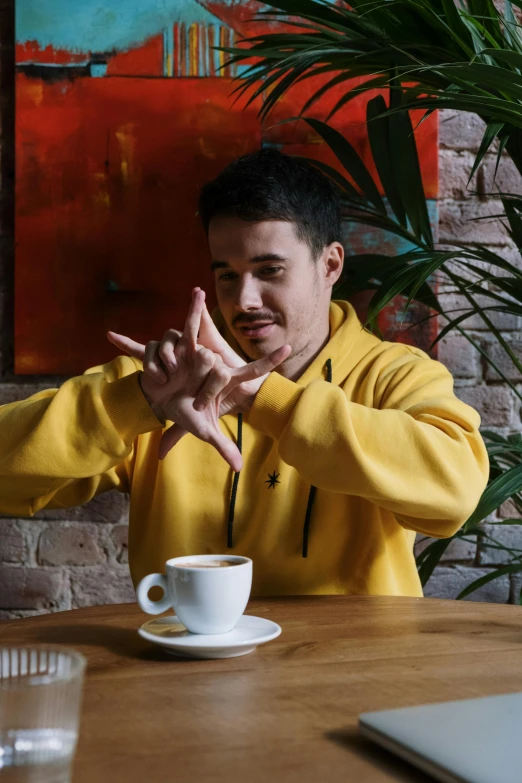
424	55
441	54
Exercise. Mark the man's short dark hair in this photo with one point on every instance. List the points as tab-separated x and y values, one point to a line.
268	185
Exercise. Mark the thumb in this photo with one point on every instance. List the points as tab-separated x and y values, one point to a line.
169	439
262	366
126	344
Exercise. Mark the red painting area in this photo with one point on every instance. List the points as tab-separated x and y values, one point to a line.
108	176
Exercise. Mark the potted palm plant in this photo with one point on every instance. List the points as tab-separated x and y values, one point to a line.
464	55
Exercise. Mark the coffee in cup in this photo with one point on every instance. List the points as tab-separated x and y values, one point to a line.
210	564
208	593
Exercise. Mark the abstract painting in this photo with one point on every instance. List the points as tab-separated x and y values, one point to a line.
123	112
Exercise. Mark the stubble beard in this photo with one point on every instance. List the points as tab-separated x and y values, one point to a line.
305	330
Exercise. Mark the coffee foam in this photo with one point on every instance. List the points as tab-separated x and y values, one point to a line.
208	564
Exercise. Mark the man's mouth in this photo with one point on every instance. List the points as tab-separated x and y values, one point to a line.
256	329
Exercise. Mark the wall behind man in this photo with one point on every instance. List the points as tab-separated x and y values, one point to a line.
59	559
78	557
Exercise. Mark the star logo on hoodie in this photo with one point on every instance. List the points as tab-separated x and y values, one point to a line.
272	480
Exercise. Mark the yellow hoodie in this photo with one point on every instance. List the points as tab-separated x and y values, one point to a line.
373	426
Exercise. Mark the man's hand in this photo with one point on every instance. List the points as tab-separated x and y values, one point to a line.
159	357
193	385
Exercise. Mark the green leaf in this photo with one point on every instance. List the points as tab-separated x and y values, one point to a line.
342	183
378	135
487	255
398	282
512	208
455	22
426	295
504	137
484	580
492	131
405	162
504	55
323	13
338	79
511	28
378	81
429	558
496	493
369	217
479	77
491	108
451	325
350	160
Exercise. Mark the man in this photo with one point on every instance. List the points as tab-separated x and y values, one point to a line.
322	471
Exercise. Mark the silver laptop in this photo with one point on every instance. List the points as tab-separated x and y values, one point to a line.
471	741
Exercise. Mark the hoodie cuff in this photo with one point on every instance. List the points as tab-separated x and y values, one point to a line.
128	409
274	405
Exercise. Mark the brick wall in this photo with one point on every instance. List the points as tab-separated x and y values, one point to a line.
475	381
65	559
58	559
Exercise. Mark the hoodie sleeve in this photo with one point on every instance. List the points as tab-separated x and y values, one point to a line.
417	453
61	447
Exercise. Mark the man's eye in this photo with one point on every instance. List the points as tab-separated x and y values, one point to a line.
271	270
226	277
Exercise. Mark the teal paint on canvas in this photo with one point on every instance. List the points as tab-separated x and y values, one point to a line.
102	25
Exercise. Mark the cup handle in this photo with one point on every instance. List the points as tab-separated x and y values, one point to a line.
142	594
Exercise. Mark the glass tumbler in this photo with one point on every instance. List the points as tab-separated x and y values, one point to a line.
40	698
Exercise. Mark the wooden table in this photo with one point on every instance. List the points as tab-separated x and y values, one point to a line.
288	712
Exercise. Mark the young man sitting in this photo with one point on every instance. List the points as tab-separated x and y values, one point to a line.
300	439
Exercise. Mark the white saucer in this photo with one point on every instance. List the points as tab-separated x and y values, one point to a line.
170	634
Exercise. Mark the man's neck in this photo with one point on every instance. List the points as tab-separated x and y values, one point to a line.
296	365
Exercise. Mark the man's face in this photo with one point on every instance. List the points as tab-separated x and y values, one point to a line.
269	289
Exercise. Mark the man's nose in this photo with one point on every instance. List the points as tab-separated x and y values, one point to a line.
248	295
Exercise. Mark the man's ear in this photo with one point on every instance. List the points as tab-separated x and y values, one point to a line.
333	260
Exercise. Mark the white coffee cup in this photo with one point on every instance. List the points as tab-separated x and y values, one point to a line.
206	598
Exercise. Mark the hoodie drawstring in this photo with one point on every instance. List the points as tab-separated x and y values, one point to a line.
235	482
313	490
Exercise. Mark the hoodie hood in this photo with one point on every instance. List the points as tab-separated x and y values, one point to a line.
333	363
349	341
